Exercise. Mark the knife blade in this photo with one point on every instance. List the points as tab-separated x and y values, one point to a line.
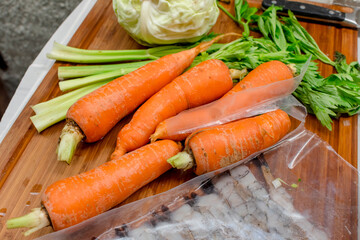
317	13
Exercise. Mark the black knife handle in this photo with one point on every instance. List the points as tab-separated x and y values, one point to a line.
306	10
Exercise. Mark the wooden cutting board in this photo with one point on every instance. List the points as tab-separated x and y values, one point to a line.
28	162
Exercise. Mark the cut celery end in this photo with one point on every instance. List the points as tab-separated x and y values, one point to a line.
54	110
53	103
51	117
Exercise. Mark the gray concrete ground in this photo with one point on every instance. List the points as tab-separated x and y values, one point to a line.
25	27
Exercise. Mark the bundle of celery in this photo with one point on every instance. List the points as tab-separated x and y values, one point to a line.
86	79
283	39
81	80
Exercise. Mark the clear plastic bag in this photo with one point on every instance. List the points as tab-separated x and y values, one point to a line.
242	104
299	188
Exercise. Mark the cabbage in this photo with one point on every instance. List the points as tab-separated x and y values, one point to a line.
160	22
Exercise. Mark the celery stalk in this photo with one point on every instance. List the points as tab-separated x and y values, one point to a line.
57	47
50	104
60	47
66	72
54	110
43	121
76	55
81	82
80	58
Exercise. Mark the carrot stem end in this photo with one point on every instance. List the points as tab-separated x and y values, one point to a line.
238	74
119	151
70	137
34	220
154	137
182	160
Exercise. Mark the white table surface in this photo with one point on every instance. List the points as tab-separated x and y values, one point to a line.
41	65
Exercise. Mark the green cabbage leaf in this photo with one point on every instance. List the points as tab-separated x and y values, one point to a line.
160	22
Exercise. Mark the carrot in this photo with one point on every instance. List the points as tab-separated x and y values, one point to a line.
211	149
265	74
77	198
96	113
201	84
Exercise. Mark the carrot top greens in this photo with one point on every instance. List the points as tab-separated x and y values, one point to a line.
286	40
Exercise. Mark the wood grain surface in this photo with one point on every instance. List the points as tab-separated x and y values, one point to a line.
28	162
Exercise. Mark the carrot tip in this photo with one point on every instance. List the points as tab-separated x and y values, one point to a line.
154	137
70	137
34	220
182	160
119	151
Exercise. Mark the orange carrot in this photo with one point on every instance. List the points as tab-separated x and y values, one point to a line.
216	147
96	113
265	74
201	84
75	199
